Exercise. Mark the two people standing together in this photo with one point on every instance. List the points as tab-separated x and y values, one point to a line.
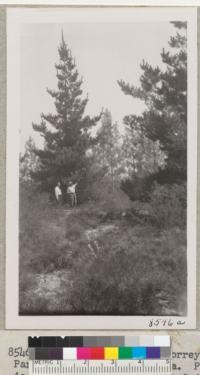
70	192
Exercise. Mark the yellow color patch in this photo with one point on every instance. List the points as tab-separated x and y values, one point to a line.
111	353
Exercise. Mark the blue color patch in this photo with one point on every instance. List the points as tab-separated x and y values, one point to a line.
139	352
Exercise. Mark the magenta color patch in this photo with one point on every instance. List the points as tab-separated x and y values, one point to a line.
83	353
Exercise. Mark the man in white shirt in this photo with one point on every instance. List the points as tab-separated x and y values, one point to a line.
71	191
58	192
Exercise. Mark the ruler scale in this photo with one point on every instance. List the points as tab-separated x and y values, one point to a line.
101	367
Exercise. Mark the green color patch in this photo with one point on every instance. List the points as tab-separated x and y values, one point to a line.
125	353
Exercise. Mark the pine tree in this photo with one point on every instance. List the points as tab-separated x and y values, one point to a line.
165	94
67	132
28	162
141	156
107	149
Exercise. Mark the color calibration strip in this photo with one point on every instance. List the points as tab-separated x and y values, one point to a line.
95	348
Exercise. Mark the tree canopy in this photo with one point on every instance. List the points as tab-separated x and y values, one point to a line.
66	132
164	91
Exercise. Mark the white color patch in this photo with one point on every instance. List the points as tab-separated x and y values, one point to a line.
162	341
69	353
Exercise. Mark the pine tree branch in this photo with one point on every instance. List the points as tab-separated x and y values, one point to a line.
51	119
41	128
135	92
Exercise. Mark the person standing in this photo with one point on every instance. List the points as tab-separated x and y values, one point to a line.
71	191
58	193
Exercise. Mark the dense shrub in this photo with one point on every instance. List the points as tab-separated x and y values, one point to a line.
108	198
168	205
118	281
123	268
136	188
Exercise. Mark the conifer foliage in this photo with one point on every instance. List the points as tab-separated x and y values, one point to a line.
67	132
107	150
28	162
164	92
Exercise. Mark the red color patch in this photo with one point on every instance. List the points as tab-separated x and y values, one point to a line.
97	353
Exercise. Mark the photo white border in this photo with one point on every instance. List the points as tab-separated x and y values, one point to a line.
16	16
138	3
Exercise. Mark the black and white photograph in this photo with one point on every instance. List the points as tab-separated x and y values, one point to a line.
101	173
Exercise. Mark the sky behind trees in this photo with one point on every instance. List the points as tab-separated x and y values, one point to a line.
104	53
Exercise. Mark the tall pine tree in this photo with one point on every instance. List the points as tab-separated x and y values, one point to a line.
67	132
165	95
107	150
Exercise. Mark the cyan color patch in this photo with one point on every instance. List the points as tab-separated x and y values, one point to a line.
139	352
